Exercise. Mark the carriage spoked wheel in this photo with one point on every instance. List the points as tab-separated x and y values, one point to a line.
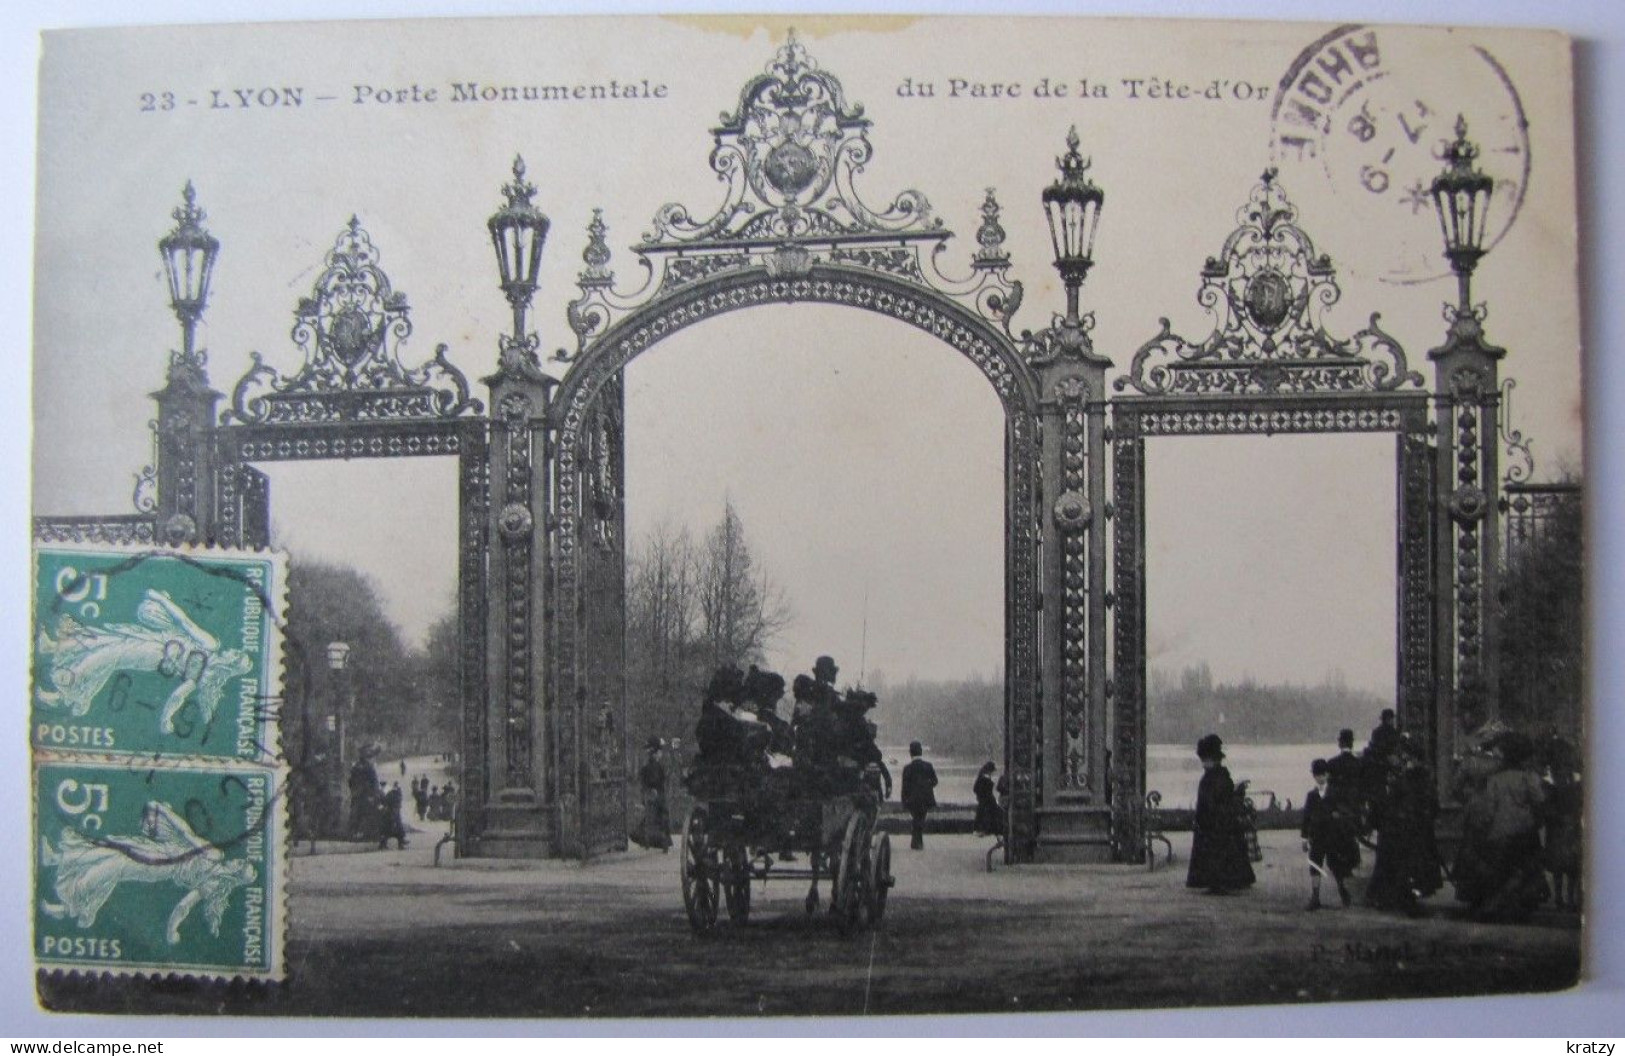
880	877
736	884
701	873
852	876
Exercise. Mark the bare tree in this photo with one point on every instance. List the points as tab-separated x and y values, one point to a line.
662	582
741	610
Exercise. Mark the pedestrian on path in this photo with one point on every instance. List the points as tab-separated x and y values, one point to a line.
394	826
1219	858
654	830
919	793
989	815
1328	842
420	796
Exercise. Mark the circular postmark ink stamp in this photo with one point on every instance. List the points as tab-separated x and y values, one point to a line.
1361	121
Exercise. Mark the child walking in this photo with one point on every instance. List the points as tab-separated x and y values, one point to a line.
1326	838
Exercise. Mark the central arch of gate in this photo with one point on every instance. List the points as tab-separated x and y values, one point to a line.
793	229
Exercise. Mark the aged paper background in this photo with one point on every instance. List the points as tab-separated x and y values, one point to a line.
278	184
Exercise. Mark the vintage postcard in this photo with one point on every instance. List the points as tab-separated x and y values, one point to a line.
805	516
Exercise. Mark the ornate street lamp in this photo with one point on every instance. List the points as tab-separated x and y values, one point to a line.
1467	476
189	253
1072	206
338	655
1461	195
518	230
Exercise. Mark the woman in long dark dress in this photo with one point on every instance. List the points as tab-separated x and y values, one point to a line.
1407	868
989	815
1219	862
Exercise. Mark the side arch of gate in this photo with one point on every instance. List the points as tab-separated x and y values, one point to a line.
1269	367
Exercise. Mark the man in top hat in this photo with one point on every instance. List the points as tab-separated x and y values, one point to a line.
1345	788
919	793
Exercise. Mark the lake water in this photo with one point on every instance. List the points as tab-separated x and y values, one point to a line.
1171	769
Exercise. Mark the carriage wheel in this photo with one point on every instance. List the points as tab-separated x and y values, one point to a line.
699	870
880	878
851	875
736	888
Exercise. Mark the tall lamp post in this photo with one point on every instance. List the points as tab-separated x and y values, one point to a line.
338	656
1467	475
184	468
519	486
1069	809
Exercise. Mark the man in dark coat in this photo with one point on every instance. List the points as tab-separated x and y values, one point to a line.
1384	736
1345	790
394	826
1219	858
364	797
420	796
919	793
654	830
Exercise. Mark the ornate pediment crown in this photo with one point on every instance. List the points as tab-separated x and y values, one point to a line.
350	330
790	152
1268	290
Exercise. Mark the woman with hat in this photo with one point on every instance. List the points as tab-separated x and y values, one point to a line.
655	828
1219	861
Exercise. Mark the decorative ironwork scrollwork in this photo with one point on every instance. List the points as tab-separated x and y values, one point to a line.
790	153
1268	290
1520	460
350	330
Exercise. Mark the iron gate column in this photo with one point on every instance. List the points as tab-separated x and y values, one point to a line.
186	468
1467	538
518	818
1073	821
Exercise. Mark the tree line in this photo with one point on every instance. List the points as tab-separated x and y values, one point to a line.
404	699
1184	706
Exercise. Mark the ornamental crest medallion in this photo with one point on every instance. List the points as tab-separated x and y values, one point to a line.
350	330
1268	289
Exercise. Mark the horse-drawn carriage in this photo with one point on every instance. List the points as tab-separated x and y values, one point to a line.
749	827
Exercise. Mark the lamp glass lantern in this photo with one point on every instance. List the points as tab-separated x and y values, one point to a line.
1461	196
338	654
189	253
518	231
1072	206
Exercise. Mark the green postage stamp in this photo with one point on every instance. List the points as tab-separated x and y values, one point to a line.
157	653
158	868
159	784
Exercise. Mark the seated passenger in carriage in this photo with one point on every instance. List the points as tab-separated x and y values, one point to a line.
855	741
762	692
732	743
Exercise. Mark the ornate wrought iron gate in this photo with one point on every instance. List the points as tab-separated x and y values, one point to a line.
541	532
